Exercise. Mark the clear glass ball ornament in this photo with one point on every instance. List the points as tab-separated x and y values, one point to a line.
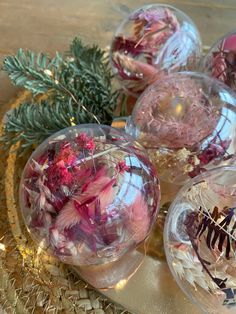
220	61
187	122
89	194
200	240
152	41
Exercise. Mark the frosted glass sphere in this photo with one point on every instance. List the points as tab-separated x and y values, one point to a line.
89	194
187	122
220	61
200	240
152	41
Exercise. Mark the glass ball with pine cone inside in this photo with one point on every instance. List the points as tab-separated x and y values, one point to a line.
152	41
187	122
89	194
200	240
220	61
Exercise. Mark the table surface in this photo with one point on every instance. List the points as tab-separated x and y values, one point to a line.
50	25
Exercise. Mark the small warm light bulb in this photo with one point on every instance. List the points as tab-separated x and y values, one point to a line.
179	108
48	72
72	123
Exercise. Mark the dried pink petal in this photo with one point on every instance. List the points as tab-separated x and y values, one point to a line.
83	204
68	217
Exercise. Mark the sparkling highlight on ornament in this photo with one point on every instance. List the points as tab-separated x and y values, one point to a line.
152	41
200	240
89	194
187	122
2	247
220	61
120	285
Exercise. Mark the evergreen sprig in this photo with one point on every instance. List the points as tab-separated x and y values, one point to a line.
31	123
33	71
78	88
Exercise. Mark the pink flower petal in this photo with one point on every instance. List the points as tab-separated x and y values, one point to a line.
230	43
68	216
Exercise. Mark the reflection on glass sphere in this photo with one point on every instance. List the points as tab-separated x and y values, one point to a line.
89	194
152	41
200	240
187	121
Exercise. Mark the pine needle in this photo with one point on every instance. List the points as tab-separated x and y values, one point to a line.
78	86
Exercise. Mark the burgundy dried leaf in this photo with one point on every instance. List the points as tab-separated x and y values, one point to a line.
82	209
89	203
128	46
217	230
190	231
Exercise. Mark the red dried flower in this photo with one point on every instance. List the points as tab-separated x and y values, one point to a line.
66	154
213	151
58	174
121	167
86	142
90	145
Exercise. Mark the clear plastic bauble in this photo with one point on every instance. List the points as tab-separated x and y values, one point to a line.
187	122
220	61
152	41
89	194
200	240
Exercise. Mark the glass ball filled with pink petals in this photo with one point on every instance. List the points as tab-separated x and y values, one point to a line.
200	240
220	61
187	123
89	194
152	41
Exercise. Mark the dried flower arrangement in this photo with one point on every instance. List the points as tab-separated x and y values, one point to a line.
151	42
220	62
201	240
71	189
188	125
89	198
